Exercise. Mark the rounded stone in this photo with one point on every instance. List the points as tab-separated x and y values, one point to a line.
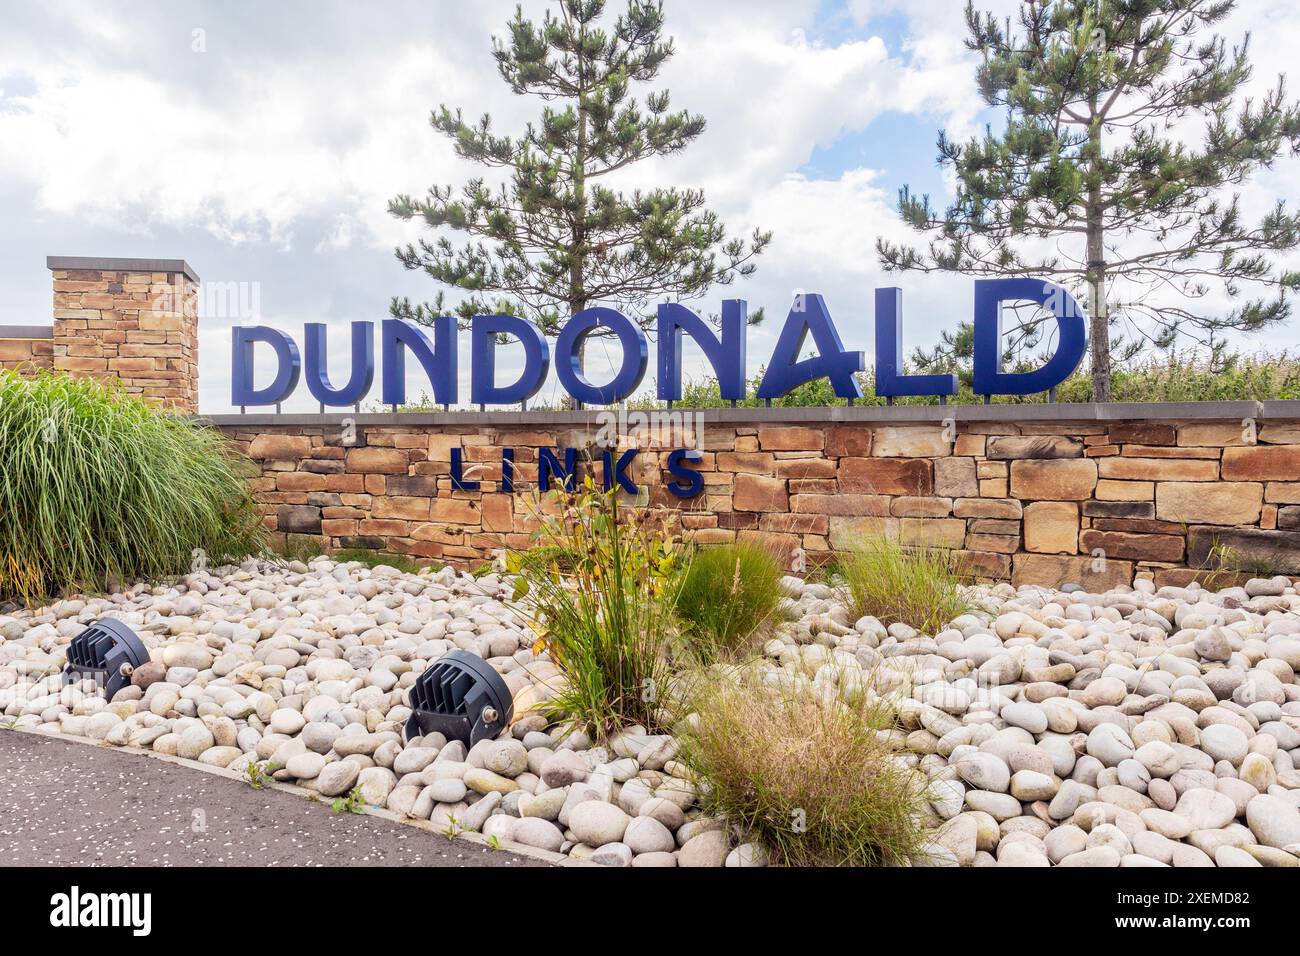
1225	742
613	854
648	835
337	778
596	823
1206	809
1030	785
535	832
985	771
306	766
1111	745
1274	820
1028	716
709	848
1159	758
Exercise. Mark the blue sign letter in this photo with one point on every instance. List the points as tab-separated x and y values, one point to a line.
288	366
1071	343
786	372
363	364
683	472
569	367
483	332
439	361
890	380
548	467
726	355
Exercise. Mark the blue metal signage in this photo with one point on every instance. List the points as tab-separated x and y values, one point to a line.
725	353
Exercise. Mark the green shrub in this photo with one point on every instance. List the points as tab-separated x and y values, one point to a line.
807	775
98	487
727	595
604	613
918	586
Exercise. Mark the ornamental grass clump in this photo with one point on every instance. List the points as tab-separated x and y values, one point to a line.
806	773
728	596
602	607
919	587
98	487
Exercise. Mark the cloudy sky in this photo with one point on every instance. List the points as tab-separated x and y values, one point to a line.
261	142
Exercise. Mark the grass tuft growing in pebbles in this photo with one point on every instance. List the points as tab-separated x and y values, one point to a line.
604	613
919	587
98	486
806	774
727	595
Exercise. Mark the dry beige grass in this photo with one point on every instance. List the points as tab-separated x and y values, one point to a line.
805	774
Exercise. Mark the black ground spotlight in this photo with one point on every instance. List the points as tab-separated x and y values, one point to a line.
462	697
106	652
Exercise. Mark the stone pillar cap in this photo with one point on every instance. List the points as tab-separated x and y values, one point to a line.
110	264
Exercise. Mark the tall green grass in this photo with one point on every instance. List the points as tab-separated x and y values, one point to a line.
919	587
97	487
603	608
727	595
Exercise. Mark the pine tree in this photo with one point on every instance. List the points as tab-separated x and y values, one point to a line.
553	238
1115	174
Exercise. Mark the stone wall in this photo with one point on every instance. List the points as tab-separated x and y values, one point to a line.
25	347
1039	494
134	320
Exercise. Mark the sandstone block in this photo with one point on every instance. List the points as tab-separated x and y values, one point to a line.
286	447
805	468
1159	469
1012	447
847	532
886	476
1228	502
298	519
995	543
758	493
1052	527
1261	463
932	532
790	438
1054	570
753	463
381	461
875	505
1142	434
982	564
1210	434
454	511
910	442
955	478
1118	509
1006	508
1054	480
910	507
1273	552
1142	547
851	441
1283	492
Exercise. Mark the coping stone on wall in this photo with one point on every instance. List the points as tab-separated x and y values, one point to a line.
115	264
861	414
26	331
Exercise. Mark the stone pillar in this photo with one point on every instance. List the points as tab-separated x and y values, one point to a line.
135	320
